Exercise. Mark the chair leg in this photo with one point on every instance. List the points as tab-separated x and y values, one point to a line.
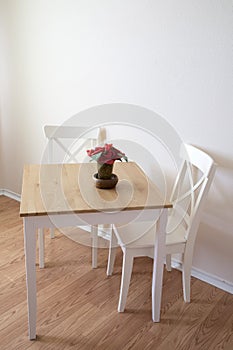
186	277
41	247
94	234
52	234
168	262
111	253
127	267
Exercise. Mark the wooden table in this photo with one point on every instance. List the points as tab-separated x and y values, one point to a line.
62	195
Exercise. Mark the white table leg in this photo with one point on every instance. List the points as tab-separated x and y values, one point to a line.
30	263
94	234
157	279
41	247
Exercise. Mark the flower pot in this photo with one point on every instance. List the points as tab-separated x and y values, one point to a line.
105	183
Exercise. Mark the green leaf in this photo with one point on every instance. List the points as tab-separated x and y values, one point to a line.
96	156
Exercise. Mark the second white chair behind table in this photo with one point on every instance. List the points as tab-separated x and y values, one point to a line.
188	198
64	145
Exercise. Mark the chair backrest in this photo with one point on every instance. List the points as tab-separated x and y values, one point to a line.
68	143
190	190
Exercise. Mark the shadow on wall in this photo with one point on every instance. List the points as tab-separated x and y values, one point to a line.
216	244
213	248
1	151
221	161
219	208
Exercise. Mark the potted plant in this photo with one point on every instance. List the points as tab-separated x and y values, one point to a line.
105	156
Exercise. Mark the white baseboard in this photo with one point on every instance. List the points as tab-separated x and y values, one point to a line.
10	194
206	277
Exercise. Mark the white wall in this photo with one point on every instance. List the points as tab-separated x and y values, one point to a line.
174	57
2	86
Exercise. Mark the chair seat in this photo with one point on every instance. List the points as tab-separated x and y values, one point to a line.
142	234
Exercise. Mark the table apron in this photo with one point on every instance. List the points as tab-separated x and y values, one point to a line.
73	219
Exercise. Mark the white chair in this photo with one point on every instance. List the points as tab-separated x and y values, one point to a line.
188	198
67	144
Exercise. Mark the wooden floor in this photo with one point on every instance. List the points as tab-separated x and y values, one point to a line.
77	306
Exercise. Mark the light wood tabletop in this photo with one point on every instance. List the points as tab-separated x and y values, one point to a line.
64	188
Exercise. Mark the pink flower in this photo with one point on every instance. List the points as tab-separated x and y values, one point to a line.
107	154
97	150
